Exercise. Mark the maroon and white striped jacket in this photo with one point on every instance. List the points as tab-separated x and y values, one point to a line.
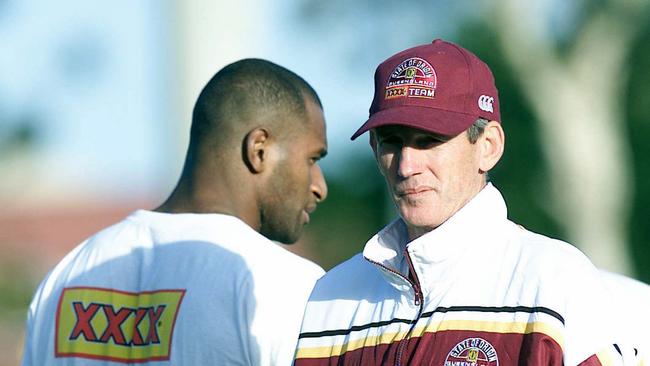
477	290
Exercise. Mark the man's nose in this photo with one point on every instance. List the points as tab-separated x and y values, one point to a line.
408	163
318	184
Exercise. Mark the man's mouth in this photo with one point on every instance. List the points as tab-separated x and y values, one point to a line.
307	211
310	208
410	192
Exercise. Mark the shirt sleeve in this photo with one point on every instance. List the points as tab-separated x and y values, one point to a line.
27	347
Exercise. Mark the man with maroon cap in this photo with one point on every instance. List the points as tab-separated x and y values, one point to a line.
451	281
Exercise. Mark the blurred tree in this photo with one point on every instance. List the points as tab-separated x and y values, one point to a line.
19	137
637	107
19	142
17	286
575	90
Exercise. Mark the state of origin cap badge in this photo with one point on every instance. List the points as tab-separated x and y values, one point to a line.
412	78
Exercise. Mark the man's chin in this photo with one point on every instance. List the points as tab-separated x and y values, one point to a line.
413	220
290	240
287	238
415	213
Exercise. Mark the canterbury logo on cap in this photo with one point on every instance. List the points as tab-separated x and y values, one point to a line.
485	103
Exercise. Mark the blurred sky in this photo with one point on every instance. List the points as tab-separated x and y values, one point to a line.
106	88
86	77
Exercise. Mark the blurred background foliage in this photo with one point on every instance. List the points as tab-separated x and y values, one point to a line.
637	108
522	174
357	205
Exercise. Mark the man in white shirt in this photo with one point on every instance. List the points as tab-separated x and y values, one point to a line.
198	281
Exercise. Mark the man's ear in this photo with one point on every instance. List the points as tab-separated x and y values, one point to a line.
492	143
255	150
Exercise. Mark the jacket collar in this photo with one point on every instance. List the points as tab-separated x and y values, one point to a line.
473	225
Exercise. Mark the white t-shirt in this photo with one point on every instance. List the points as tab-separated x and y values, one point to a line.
171	289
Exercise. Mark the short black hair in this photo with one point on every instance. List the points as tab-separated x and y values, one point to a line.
241	90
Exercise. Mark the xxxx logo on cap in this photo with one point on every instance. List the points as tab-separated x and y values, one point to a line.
412	78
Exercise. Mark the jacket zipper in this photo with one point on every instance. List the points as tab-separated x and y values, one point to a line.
418	300
416	283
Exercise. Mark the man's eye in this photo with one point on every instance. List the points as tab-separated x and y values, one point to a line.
426	142
389	140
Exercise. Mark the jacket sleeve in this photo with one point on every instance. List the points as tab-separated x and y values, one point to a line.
590	328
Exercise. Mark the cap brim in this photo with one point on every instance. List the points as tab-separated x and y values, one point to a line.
438	121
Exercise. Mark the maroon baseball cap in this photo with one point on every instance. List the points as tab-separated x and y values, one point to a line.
438	87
